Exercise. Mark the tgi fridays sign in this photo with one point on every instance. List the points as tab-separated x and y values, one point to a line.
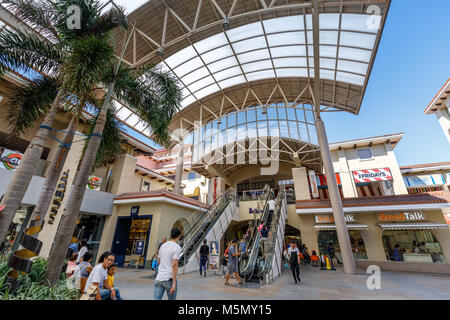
320	219
405	216
373	175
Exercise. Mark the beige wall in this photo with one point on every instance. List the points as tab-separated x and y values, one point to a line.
164	216
346	160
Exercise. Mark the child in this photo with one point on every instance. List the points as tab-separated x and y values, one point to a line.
111	272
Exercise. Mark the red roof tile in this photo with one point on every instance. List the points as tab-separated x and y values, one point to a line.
161	193
420	198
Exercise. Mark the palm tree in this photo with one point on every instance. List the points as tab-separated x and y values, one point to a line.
74	57
156	97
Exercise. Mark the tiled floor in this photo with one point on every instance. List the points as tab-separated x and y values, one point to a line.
322	285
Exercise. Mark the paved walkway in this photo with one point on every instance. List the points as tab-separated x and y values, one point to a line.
322	285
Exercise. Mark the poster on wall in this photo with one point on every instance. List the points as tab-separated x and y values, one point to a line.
94	183
10	159
313	183
372	175
214	253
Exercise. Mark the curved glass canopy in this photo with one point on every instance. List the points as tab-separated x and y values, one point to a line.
276	48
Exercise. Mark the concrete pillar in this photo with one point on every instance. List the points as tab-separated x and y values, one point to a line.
444	119
179	170
372	237
335	198
308	233
301	184
398	184
122	174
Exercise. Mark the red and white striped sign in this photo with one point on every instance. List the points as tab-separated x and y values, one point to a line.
372	175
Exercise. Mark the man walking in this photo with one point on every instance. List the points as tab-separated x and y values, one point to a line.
232	263
294	259
168	256
204	255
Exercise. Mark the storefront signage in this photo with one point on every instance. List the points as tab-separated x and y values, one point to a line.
94	183
330	219
372	175
424	180
406	216
134	211
313	184
139	248
10	160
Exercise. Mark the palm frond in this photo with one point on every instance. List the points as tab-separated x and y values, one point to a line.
30	104
110	143
84	68
21	51
39	14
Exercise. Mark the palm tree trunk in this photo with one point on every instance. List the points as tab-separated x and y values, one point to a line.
24	172
53	174
68	220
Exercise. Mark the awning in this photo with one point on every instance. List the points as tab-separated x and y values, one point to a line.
413	226
332	227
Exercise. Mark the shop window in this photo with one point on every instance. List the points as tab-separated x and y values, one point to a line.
330	237
412	246
364	154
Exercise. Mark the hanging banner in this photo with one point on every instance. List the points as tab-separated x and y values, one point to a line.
10	159
424	180
94	183
372	175
313	184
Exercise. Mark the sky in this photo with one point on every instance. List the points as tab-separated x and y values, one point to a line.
412	64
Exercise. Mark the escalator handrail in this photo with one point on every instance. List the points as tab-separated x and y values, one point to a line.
211	217
254	241
269	257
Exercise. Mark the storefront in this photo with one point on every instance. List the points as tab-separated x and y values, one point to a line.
327	235
131	239
412	234
91	229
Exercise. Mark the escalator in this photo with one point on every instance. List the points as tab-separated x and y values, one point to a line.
248	265
210	226
260	266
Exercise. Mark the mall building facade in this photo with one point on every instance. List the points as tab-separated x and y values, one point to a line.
255	80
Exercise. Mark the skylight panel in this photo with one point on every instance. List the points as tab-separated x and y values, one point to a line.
228	73
327	74
217	54
253	56
350	78
288	51
123	113
328	63
284	24
259	65
249	45
259	75
210	43
133	120
245	31
180	57
329	37
359	40
355	67
201	84
290	62
360	22
288	38
187	101
188	66
141	125
207	91
292	73
232	82
222	64
329	21
355	54
194	76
